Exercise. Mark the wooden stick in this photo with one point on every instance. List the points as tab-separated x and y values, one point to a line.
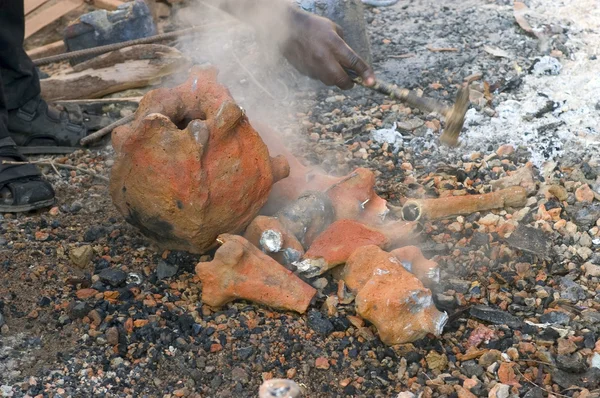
439	208
59	165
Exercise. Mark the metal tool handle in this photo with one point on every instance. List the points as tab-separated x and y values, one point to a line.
402	94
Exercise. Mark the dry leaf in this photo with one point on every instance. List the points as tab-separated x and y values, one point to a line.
520	9
496	52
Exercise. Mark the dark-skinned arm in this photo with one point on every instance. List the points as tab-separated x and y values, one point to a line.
312	44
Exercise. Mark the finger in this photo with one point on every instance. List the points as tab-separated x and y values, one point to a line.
350	60
334	75
339	30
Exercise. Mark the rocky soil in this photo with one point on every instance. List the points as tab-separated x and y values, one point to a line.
88	307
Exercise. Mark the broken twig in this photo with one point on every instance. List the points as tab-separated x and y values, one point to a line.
59	165
442	49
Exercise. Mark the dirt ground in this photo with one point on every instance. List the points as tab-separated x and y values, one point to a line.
139	335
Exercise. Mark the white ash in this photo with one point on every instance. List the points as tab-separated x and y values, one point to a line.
569	131
389	136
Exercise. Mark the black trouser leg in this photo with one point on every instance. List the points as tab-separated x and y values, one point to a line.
21	82
3	112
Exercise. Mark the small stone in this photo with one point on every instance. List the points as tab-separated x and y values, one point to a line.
490	357
574	363
505	150
112	335
571	291
75	207
83	294
78	310
471	368
595	362
330	305
94	233
165	270
566	346
584	194
463	392
499	391
513	353
585	240
41	236
591	269
112	276
318	323
458	285
322	363
556	317
489	220
320	283
445	300
54	211
239	374
455	227
116	362
6	390
81	256
436	361
584	252
95	317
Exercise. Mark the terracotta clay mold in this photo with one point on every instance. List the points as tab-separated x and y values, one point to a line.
240	270
413	260
190	166
390	297
400	307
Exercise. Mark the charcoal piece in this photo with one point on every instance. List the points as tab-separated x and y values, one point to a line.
530	240
495	316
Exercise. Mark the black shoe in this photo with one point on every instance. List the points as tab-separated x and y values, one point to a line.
39	129
22	187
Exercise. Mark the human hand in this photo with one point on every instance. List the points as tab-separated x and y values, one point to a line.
315	46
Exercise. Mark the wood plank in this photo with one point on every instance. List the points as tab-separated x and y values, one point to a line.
42	19
58	47
137	67
31	5
109	5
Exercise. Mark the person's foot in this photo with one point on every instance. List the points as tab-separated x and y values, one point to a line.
39	129
22	187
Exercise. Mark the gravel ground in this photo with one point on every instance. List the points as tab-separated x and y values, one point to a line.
90	308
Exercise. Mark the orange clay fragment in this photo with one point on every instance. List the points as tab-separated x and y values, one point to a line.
390	297
413	260
335	245
400	307
435	209
241	271
190	166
